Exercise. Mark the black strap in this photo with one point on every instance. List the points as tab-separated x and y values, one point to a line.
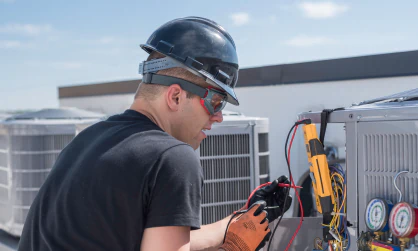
151	78
324	121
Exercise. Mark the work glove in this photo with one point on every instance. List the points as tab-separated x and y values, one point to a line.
248	231
274	196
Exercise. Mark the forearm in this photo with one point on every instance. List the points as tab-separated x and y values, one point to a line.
209	237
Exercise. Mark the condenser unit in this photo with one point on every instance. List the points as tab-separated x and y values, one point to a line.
29	146
235	160
381	138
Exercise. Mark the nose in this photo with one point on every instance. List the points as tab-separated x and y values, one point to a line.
217	117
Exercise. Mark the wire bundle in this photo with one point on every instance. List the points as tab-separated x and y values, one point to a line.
338	224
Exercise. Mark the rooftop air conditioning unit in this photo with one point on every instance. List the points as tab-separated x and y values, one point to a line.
235	160
381	142
29	146
4	116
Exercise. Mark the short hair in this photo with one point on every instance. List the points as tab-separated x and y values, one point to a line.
152	91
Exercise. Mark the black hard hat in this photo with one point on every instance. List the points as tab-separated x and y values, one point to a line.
202	47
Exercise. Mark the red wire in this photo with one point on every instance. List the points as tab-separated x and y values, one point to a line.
294	187
296	192
330	246
252	193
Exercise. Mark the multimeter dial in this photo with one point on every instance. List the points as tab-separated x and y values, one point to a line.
402	220
377	214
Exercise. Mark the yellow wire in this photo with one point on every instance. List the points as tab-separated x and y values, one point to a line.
338	188
338	180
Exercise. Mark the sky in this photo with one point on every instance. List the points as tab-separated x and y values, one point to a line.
49	44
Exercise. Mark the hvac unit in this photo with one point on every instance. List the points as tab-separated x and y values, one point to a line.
381	141
29	146
4	116
235	160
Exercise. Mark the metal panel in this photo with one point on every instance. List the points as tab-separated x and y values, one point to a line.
352	183
385	149
230	160
27	154
395	111
225	156
31	159
304	241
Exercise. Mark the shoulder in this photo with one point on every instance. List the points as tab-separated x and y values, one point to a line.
156	142
179	162
181	156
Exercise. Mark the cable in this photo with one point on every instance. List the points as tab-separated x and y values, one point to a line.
296	192
287	156
229	222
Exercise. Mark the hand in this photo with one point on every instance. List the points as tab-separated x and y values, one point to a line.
274	196
248	231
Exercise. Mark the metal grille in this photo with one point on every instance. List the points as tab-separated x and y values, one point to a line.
391	153
226	163
232	190
3	159
263	159
231	144
381	157
263	142
224	168
264	164
215	213
31	159
40	142
3	142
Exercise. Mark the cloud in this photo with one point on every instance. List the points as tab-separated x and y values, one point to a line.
306	41
240	18
322	10
25	29
8	44
13	44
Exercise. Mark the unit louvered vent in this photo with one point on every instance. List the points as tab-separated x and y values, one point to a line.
382	156
40	142
233	164
232	144
226	164
32	158
391	153
263	151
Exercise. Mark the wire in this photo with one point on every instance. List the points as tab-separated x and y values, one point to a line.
296	193
287	156
229	222
247	204
338	224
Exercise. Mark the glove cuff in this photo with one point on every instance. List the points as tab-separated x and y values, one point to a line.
234	243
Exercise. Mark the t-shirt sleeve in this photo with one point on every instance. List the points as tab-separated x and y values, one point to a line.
175	191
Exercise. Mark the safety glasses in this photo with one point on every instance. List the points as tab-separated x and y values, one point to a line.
212	100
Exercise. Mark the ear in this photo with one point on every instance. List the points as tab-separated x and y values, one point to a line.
174	97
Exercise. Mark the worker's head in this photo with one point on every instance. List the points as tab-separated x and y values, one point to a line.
189	76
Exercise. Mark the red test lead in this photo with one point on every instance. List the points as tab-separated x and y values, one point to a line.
288	185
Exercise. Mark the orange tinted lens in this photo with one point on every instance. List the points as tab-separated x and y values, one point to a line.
217	101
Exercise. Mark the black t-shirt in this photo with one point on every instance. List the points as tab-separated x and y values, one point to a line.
115	179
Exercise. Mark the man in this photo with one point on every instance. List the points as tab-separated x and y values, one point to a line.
133	182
